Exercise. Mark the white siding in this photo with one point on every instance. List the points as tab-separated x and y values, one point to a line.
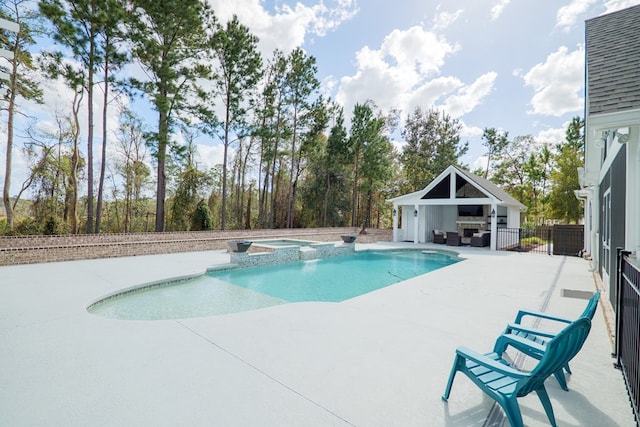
450	216
432	221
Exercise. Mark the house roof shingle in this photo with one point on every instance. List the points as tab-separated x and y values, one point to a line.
613	61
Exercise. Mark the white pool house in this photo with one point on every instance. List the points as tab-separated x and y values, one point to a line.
457	201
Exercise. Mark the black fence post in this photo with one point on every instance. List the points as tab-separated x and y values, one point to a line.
519	239
548	240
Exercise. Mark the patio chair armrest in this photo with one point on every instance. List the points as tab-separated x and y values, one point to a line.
511	327
523	313
526	346
485	361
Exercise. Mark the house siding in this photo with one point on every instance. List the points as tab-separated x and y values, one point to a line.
615	180
613	63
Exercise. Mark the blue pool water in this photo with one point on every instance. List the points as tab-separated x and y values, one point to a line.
331	279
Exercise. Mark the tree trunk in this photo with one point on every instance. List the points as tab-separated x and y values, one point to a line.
290	194
368	217
103	161
163	134
73	205
355	190
90	125
272	213
238	207
75	160
223	223
326	201
6	193
243	178
247	225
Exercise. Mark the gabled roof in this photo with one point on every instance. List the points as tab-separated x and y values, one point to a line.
492	188
439	190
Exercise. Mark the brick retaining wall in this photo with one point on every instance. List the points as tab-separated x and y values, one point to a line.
36	249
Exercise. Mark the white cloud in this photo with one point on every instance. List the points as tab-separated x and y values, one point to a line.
403	73
468	97
552	136
498	8
443	20
567	15
558	83
613	5
470	131
289	26
432	90
212	155
479	163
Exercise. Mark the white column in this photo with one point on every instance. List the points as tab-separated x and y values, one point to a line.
395	222
416	223
452	185
494	226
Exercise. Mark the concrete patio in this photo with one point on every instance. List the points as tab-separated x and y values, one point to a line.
381	359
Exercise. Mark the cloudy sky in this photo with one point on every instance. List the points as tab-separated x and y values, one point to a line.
513	65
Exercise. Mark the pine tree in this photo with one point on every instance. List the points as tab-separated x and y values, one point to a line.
19	84
168	39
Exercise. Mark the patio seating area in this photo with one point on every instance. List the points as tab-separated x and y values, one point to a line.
380	359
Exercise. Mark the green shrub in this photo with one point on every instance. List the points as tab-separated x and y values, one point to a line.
4	228
51	226
28	227
533	241
201	217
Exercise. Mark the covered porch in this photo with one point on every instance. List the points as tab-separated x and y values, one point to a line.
456	205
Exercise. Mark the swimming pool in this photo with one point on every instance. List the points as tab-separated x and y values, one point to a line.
331	279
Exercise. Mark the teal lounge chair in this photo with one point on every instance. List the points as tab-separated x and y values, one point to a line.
540	337
505	385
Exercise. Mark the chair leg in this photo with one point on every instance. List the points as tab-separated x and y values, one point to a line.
546	404
452	375
559	374
566	368
512	410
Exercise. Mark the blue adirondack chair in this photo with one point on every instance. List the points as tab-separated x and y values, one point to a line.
505	385
538	336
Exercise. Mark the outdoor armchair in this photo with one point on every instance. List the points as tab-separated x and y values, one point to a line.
504	384
481	239
540	337
453	239
439	237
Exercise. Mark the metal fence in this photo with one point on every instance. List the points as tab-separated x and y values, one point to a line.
627	346
556	240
